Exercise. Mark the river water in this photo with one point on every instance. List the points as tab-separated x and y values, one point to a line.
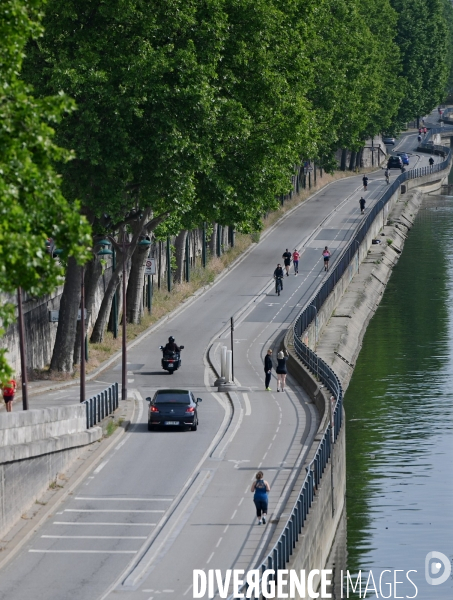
399	410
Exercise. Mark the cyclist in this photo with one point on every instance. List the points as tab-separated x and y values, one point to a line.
326	256
278	276
296	257
286	260
365	182
362	205
387	175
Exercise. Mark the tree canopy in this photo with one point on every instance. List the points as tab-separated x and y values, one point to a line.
32	207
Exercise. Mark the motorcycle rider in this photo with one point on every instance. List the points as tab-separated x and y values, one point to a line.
278	274
171	345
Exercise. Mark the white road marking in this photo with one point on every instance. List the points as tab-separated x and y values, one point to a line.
264	456
248	406
209	559
127	499
234	514
226	529
95	537
119	524
108	510
100	467
84	551
123	441
188	589
218	543
241	501
130	380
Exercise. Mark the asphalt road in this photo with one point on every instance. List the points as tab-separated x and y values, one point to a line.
165	503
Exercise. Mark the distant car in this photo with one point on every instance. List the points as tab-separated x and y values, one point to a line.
395	162
173	408
389	141
404	157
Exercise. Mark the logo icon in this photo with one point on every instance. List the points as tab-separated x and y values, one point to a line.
434	562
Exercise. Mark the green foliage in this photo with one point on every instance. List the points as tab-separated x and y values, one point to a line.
423	39
32	207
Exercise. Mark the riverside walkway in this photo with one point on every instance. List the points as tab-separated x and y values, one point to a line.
166	503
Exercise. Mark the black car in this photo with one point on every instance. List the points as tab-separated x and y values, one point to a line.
173	408
395	162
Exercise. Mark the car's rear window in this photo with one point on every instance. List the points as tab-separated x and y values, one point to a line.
172	399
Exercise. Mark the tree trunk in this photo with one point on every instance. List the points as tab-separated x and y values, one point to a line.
359	159
103	316
134	294
213	240
344	156
63	351
93	270
180	246
352	160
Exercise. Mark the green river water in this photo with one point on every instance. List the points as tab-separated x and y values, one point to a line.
399	412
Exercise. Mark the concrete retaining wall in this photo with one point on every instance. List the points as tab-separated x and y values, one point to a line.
35	446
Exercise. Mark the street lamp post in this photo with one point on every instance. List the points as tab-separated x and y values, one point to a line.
23	356
142	242
82	337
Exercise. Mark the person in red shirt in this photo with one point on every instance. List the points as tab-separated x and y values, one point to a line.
9	390
296	257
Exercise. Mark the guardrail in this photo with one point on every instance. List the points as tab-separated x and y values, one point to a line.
280	554
101	405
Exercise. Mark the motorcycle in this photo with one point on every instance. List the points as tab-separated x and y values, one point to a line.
171	361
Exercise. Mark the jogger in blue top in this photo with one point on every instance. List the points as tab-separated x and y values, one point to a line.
261	488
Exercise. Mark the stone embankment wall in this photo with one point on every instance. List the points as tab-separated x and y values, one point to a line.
36	446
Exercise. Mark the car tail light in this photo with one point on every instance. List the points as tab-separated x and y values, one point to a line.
170	360
190	409
153	409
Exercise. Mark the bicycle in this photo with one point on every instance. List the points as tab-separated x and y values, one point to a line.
278	285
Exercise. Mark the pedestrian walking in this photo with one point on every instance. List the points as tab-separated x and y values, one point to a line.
420	131
431	162
260	490
387	175
268	370
287	260
281	370
365	182
326	256
9	391
362	205
419	138
425	130
296	257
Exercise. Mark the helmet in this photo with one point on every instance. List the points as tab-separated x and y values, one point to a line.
171	339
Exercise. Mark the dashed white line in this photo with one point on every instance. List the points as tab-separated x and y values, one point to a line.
241	501
124	499
83	551
100	467
234	514
226	529
218	543
103	523
108	510
210	558
95	537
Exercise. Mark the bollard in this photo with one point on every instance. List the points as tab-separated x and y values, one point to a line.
223	354
229	361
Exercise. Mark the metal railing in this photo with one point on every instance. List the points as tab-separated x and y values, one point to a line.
280	553
100	406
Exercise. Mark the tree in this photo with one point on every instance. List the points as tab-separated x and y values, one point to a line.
31	203
422	38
